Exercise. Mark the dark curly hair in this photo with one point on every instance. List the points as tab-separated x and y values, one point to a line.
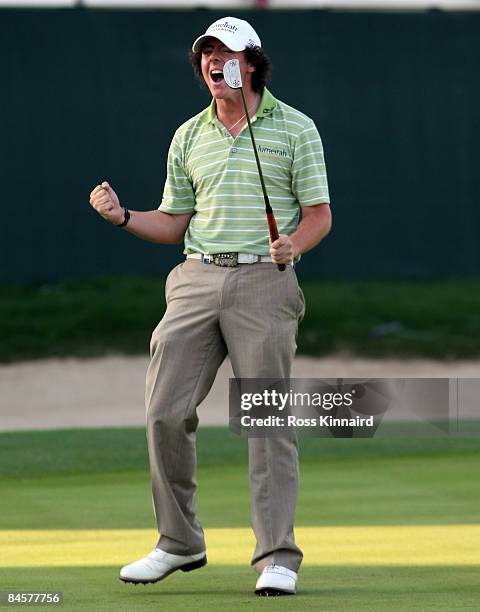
255	56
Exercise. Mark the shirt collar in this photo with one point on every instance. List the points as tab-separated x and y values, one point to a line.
266	107
267	104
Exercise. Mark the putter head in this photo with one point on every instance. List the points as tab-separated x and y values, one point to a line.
232	74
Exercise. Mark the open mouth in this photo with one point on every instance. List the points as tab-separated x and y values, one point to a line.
216	76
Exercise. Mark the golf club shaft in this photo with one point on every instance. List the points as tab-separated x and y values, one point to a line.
272	224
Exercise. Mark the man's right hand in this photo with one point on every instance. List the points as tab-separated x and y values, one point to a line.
105	201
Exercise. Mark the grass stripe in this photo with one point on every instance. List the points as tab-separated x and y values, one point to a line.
326	546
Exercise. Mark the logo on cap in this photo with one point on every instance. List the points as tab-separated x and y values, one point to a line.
229	27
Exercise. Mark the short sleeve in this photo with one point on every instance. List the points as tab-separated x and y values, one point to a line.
178	194
309	174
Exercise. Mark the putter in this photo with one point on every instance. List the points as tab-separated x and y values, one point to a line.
233	78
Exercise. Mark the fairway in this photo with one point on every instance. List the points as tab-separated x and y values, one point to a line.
346	568
455	545
382	527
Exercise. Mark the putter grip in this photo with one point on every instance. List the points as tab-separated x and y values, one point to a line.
272	228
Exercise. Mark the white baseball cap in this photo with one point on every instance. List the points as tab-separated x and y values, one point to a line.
236	34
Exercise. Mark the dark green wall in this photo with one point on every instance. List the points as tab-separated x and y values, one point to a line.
87	95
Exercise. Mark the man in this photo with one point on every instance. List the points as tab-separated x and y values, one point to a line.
228	297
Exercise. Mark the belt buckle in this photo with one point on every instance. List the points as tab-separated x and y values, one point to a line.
225	260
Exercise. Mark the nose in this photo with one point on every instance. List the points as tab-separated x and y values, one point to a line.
217	54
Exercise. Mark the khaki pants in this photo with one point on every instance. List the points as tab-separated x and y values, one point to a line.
251	313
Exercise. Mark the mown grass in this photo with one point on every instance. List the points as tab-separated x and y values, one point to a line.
439	319
36	454
349	492
333	589
93	482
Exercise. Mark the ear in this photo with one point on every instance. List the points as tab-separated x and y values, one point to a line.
251	68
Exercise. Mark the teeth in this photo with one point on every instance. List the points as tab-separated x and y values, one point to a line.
217	72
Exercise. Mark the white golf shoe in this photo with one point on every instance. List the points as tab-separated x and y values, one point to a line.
159	564
276	580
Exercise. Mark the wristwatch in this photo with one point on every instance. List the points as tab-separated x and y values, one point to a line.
126	217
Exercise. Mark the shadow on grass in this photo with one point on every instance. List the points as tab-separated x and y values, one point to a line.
229	588
30	454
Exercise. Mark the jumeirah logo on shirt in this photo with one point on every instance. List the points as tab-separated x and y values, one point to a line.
270	151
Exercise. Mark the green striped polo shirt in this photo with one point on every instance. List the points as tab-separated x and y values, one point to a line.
214	177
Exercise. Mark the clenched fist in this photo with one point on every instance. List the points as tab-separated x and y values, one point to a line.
282	250
105	201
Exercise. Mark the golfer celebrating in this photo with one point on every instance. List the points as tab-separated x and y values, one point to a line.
228	296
